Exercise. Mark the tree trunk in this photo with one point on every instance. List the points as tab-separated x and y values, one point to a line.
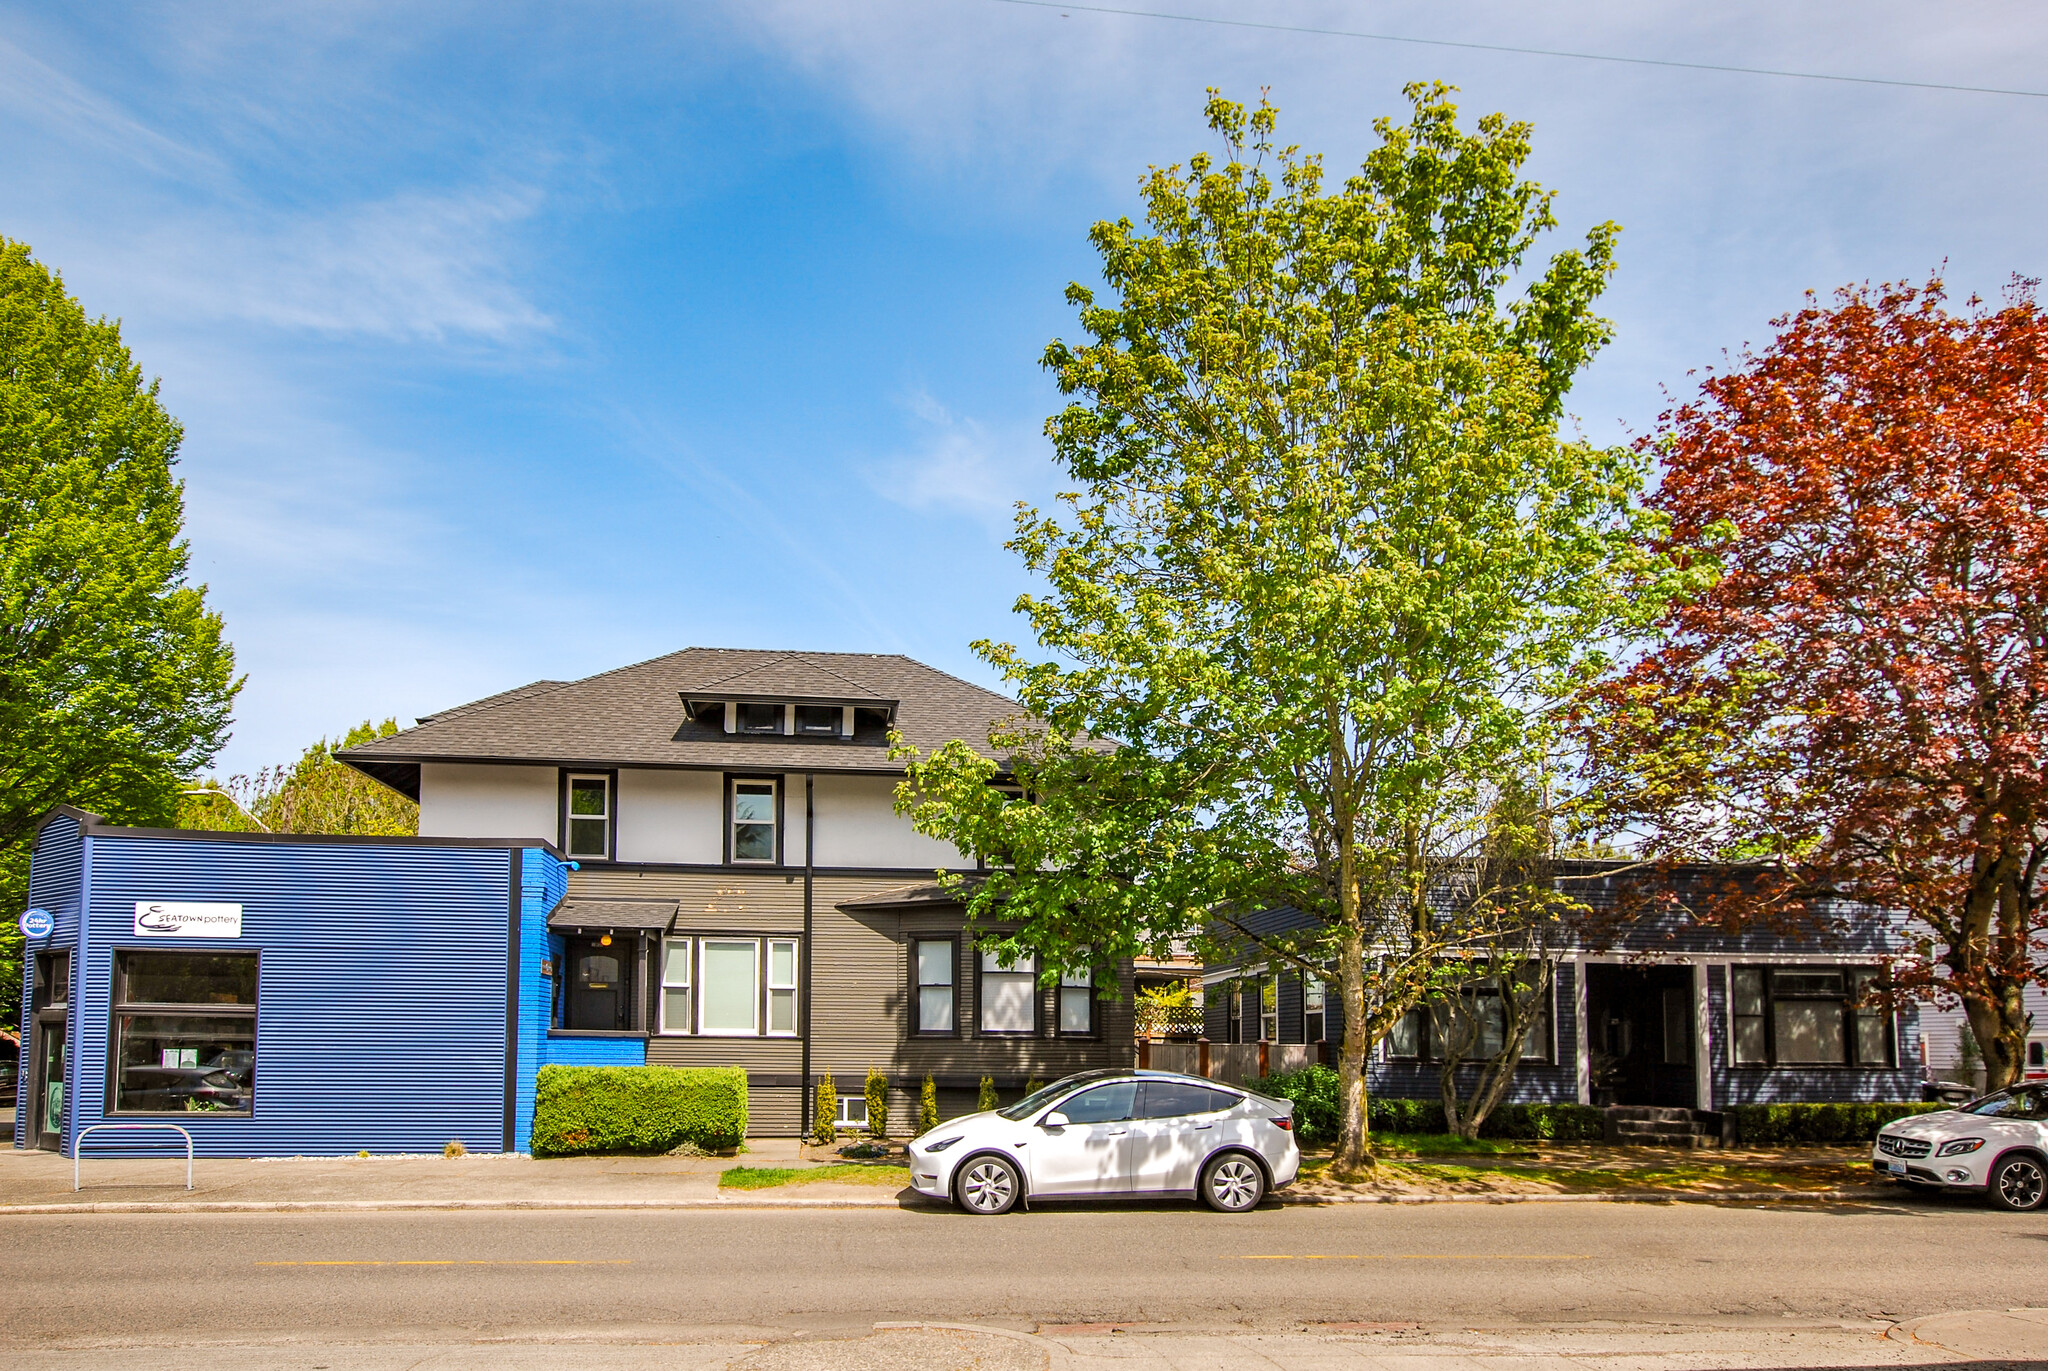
1990	945
1354	1157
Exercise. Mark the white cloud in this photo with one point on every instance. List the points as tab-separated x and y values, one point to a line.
959	466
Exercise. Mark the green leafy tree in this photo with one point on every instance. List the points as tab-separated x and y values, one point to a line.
115	680
317	794
1328	569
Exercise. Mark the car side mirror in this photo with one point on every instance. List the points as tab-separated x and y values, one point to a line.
1053	1120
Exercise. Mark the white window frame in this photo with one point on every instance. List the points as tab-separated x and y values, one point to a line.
1269	1019
772	988
570	816
1024	968
918	985
665	985
847	1104
1315	1000
732	834
1081	982
753	991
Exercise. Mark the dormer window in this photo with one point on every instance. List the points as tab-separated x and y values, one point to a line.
820	721
760	718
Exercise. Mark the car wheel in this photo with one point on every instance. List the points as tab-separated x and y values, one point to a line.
2019	1183
988	1185
1233	1183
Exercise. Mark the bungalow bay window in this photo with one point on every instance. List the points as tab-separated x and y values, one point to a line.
753	821
1808	1016
729	987
932	963
587	827
184	1033
1477	1015
1009	994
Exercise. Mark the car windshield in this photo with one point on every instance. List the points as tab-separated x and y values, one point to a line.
1038	1099
2019	1104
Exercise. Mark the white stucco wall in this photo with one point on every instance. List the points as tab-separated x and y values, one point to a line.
462	800
857	825
670	816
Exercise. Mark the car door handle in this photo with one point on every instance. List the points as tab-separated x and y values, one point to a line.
1200	1126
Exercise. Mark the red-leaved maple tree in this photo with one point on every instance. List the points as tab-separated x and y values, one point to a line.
1860	701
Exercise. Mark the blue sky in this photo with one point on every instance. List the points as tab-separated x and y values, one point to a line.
526	341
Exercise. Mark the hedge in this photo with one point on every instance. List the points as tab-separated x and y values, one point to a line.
1768	1125
637	1108
1314	1092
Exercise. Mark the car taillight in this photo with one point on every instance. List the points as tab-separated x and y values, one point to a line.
1286	1121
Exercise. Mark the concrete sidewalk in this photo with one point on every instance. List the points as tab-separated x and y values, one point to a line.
40	1182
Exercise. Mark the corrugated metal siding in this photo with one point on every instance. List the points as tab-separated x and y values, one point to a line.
56	882
381	1003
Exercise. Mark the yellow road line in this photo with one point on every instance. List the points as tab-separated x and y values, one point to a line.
1410	1257
611	1261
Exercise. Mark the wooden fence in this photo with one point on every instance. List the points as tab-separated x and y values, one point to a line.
1235	1063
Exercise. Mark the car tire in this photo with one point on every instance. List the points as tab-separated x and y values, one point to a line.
1232	1183
987	1185
2019	1182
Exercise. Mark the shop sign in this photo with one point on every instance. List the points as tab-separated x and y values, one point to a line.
37	923
162	919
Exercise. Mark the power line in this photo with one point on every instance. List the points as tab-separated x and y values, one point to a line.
1525	52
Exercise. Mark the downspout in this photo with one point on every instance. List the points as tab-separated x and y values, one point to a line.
803	993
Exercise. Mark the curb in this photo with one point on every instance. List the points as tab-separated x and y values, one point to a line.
1608	1197
878	1202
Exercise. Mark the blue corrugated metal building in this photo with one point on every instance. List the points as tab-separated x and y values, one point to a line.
283	994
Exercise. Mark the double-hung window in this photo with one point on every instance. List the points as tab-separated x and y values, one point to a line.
1808	1016
1269	1009
753	821
932	964
587	827
781	988
184	1033
1477	1015
1009	994
729	1001
675	985
1314	1019
1077	1003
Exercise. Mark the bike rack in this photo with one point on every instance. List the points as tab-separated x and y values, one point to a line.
78	1145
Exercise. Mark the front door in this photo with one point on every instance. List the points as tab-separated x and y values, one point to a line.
1639	1026
46	1092
1090	1153
600	973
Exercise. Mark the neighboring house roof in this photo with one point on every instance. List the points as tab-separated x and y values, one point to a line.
922	895
640	716
614	914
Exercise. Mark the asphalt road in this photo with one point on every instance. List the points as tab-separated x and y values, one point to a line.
166	1280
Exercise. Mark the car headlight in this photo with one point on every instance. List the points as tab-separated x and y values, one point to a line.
1959	1147
941	1145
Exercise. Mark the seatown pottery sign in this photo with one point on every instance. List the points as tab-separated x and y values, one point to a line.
37	923
163	919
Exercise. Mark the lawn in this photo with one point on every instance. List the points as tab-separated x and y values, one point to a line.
1449	1145
845	1173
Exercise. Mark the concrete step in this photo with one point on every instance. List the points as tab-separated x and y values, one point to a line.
1651	1114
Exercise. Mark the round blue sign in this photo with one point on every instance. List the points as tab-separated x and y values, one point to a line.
37	923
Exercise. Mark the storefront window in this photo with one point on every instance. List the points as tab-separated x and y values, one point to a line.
184	1033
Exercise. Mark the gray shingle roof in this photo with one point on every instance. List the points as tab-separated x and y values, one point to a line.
635	716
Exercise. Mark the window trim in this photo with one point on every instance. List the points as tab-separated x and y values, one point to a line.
1850	972
769	988
1545	1053
1234	1012
733	780
662	985
1322	992
1059	995
917	1029
1037	1028
118	1003
1269	984
611	812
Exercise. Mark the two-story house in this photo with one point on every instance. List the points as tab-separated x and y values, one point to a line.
744	891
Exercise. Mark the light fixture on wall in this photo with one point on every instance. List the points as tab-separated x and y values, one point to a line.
605	941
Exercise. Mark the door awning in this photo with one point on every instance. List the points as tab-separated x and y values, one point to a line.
613	916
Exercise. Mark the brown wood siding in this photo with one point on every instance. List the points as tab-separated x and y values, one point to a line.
780	1056
769	901
774	1111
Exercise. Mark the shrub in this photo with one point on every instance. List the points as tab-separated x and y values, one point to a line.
637	1108
455	1149
928	1106
1775	1125
1313	1089
825	1118
878	1104
988	1099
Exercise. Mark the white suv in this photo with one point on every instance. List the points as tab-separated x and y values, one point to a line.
1998	1144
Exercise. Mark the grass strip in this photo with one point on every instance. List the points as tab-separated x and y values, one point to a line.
846	1173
